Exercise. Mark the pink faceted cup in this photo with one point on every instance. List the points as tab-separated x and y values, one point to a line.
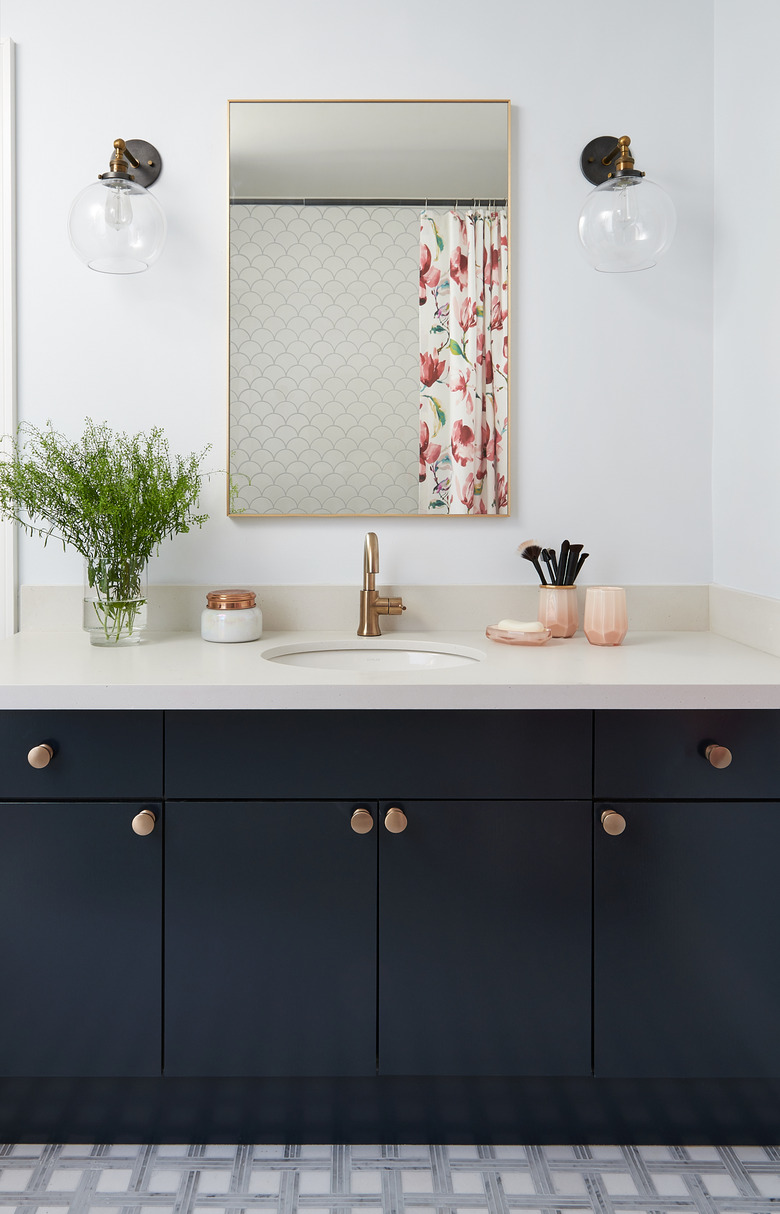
606	621
558	609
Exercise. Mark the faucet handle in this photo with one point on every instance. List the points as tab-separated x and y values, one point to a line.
392	606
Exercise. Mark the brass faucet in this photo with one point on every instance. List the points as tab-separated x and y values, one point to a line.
372	604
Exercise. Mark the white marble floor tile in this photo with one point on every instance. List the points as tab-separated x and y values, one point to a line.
387	1179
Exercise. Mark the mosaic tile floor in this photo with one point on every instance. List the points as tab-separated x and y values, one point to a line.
387	1179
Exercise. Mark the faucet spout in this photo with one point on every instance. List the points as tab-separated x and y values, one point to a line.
372	604
370	561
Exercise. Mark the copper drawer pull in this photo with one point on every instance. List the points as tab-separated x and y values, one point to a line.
361	821
718	756
144	822
613	822
40	756
395	820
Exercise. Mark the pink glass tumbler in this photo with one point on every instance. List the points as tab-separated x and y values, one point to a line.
606	622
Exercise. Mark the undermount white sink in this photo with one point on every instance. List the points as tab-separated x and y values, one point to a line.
373	655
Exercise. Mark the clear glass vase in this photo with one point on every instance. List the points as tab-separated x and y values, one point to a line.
114	603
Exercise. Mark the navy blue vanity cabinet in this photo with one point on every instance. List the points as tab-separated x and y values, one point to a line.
483	898
484	939
270	912
80	895
687	905
347	753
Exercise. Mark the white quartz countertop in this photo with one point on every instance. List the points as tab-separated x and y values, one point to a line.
179	670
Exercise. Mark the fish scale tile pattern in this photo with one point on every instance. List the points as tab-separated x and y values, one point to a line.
387	1179
324	359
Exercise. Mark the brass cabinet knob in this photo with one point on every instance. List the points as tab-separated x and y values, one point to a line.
613	822
40	756
395	820
143	822
361	821
718	756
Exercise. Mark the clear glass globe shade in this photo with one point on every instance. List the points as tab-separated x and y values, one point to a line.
626	224
117	227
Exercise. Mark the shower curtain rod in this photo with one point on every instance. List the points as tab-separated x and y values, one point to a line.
369	202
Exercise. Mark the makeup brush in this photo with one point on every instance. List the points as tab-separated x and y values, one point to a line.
580	563
562	559
571	563
531	551
548	557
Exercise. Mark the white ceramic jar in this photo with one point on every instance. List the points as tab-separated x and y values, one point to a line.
231	615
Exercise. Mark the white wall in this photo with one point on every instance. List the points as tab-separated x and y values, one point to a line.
611	375
746	449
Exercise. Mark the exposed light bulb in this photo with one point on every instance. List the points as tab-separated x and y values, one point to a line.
628	221
119	212
626	224
626	214
110	232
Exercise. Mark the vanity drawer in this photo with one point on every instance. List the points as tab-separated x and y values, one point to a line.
103	755
662	754
378	754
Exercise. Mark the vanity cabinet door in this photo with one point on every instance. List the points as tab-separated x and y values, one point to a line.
270	939
687	936
80	940
485	939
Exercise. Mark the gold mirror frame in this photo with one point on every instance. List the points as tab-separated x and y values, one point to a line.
363	102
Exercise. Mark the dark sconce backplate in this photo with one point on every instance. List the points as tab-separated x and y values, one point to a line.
149	162
591	160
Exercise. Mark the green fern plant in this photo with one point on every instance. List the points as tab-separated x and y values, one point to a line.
113	497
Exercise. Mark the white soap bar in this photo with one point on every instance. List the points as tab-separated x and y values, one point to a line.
519	626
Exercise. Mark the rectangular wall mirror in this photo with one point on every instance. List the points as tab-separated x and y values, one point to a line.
369	351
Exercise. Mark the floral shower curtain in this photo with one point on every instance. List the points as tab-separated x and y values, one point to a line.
463	362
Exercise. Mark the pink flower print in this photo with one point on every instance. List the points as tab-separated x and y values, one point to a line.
429	452
486	439
459	267
491	267
488	368
497	315
492	443
430	369
480	349
462	440
502	493
461	385
467	314
429	277
465	491
506	348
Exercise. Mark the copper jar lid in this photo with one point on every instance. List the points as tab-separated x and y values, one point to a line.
230	600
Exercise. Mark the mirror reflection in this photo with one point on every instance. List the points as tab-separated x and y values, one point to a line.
368	308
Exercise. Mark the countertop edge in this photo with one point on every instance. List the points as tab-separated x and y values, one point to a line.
179	672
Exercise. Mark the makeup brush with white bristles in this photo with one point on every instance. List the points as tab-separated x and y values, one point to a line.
531	551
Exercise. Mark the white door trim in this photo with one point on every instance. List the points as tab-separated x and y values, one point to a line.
7	318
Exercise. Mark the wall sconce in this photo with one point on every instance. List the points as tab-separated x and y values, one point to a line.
115	225
627	222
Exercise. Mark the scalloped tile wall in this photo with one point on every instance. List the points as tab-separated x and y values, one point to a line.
324	355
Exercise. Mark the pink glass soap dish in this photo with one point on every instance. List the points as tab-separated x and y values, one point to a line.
506	636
